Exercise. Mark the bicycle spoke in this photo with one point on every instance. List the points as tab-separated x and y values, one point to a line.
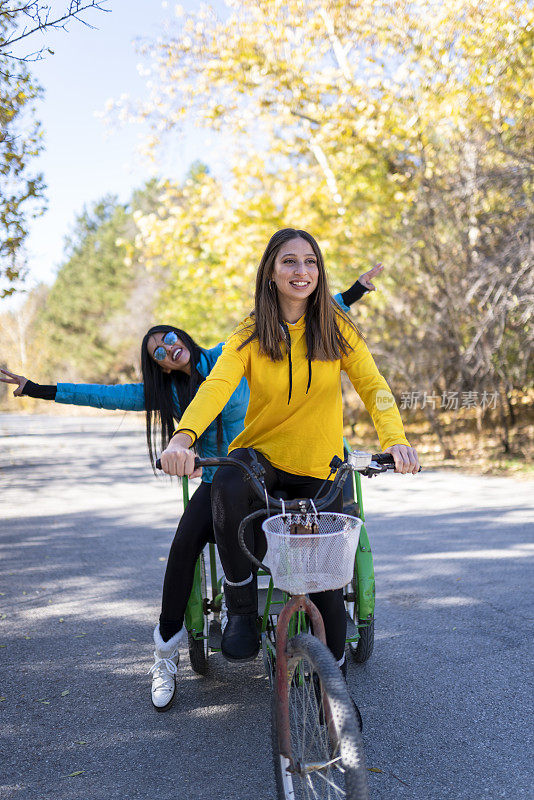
339	791
312	749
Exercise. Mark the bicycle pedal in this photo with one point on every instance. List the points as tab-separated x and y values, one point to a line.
214	634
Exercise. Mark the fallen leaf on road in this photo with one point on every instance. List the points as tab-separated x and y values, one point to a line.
162	559
61	619
65	693
27	637
2	699
74	774
79	635
3	616
375	769
80	742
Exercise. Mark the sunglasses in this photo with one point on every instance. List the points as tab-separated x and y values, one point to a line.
170	338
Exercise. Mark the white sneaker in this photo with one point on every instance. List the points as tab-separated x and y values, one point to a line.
166	658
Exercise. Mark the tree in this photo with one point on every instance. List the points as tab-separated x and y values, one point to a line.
21	138
89	289
398	130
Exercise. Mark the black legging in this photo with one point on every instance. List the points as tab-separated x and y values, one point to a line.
233	499
194	531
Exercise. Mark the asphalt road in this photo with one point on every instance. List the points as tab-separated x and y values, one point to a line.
85	530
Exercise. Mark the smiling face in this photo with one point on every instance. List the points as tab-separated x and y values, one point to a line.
176	355
295	273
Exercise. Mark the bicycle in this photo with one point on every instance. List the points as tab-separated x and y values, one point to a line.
202	616
316	739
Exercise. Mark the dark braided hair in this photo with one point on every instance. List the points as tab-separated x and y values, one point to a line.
161	411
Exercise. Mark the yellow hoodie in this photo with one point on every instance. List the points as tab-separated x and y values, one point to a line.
298	428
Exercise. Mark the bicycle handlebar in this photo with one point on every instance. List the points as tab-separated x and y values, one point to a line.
364	463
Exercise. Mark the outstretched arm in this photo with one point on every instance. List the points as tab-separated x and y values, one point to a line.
124	396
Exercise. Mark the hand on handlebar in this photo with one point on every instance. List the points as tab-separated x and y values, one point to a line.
406	459
178	459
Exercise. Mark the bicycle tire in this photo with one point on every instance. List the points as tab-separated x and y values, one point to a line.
198	648
363	649
336	765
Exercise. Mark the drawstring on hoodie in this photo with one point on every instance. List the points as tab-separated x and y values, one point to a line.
287	338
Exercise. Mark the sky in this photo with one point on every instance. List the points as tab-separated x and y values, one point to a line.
84	159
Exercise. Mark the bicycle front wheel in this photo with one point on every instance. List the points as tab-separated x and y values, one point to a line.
328	760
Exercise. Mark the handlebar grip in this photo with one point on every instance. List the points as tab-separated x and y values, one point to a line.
384	458
158	463
387	460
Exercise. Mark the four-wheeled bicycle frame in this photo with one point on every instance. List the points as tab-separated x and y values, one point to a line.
359	595
316	741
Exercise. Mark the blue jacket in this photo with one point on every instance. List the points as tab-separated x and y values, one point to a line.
131	397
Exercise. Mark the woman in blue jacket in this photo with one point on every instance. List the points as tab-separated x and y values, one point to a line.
173	366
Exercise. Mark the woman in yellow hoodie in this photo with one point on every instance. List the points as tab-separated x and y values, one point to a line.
291	350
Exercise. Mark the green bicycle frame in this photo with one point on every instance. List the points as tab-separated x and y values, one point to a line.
194	612
364	574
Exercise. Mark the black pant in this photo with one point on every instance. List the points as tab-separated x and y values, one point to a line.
233	498
194	531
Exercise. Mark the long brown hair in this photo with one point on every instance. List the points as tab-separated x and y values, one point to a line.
324	340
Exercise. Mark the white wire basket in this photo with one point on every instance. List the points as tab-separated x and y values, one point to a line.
311	552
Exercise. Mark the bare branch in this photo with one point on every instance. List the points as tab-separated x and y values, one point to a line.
39	14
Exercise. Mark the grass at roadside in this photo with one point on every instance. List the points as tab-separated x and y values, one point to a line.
477	449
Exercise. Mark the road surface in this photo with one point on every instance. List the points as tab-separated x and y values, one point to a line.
85	530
